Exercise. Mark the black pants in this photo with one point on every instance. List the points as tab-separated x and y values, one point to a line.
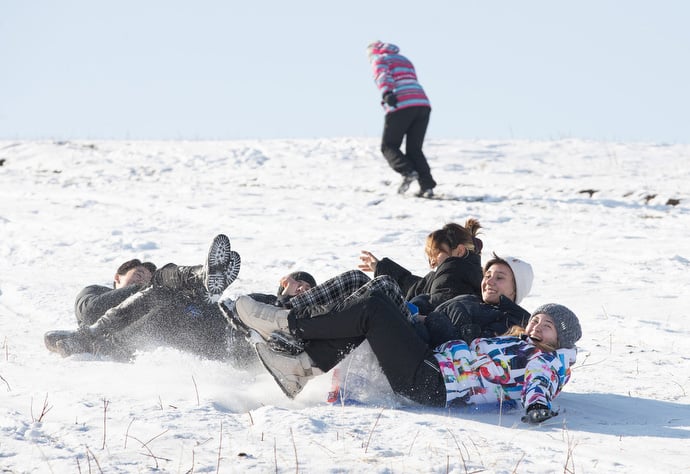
407	362
179	278
411	124
171	288
173	312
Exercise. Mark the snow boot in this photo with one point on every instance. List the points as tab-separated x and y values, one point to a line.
52	337
283	342
291	373
77	342
425	193
219	266
227	307
407	180
261	317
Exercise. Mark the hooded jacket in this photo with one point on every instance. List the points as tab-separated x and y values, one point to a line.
394	73
468	317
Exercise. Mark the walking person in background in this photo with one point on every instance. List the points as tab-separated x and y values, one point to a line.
407	116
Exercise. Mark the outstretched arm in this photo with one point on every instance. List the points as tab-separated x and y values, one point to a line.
93	301
545	376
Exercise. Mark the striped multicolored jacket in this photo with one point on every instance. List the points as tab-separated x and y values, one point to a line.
501	369
395	73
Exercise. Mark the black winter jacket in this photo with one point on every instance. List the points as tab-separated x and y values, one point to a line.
94	300
455	276
467	317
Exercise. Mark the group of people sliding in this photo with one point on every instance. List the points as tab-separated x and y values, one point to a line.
456	337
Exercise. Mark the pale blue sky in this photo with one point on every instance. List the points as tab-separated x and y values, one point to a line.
212	69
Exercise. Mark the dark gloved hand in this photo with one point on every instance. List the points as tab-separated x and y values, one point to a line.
423	303
391	99
283	301
538	413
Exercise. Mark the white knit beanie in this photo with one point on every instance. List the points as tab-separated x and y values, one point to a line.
522	272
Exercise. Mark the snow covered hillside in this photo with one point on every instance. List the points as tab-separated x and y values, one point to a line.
605	226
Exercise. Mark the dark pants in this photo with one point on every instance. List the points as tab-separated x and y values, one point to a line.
407	362
171	289
411	124
173	312
176	277
159	316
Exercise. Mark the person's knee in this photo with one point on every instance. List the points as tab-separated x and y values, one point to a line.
379	306
376	300
359	277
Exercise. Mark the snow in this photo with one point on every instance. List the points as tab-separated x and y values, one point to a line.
70	212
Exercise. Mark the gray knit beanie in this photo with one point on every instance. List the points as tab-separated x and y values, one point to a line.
567	324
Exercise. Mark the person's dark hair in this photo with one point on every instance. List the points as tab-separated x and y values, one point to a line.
494	260
135	262
453	234
300	276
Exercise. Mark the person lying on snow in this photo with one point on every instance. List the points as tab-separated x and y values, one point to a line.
506	281
173	306
530	366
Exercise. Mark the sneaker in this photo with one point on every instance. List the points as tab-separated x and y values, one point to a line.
282	342
426	193
407	180
261	317
290	372
217	262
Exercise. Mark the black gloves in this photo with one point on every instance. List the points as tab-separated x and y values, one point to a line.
390	98
423	303
538	413
283	301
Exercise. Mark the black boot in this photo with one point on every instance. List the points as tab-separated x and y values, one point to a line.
77	342
220	269
51	338
84	341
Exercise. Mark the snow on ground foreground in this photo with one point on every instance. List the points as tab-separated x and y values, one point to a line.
605	226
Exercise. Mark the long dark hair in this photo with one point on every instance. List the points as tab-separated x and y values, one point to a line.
454	234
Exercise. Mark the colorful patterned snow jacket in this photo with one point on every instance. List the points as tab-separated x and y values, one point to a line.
395	73
502	369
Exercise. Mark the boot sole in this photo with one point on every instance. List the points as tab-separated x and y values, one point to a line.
283	343
234	321
261	347
217	261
